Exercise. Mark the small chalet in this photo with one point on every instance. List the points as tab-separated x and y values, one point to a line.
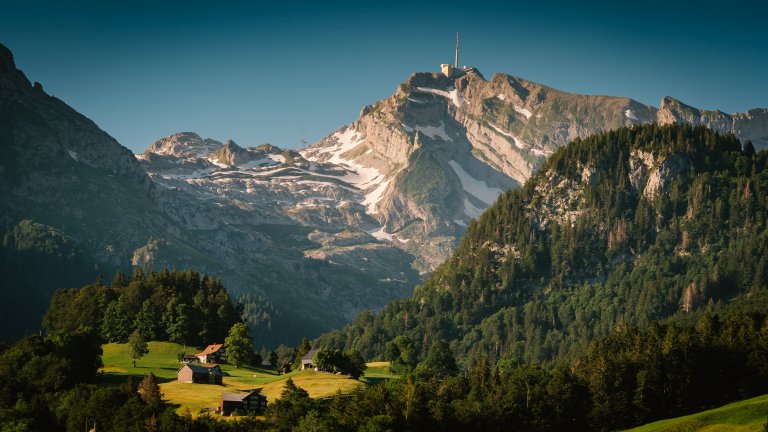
213	354
254	402
200	374
307	362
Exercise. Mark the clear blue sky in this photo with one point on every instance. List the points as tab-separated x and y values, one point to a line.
283	72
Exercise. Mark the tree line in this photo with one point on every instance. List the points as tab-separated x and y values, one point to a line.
169	305
628	378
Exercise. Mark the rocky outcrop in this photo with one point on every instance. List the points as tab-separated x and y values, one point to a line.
750	126
184	145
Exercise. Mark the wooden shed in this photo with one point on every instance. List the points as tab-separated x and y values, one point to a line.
253	402
200	374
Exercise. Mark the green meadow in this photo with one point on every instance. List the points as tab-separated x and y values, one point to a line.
745	416
196	398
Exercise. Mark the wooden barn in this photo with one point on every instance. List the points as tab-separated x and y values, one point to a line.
253	402
200	374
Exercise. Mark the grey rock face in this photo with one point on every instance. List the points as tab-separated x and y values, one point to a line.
445	148
204	205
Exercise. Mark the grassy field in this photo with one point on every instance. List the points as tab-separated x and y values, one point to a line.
162	361
376	372
745	416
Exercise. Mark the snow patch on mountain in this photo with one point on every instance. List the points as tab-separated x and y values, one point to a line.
364	178
540	152
518	142
470	210
523	111
217	163
260	163
452	94
374	197
381	234
477	188
434	131
630	114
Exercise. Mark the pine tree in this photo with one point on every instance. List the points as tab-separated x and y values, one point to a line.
149	392
118	281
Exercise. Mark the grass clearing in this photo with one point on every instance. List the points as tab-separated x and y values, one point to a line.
317	384
196	398
744	416
377	372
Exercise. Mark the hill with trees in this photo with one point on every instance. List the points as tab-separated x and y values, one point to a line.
170	305
624	227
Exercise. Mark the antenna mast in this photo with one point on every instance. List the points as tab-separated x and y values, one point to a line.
456	63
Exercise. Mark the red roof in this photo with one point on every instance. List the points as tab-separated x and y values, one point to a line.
210	349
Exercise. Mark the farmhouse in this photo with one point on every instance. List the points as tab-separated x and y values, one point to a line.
200	374
213	354
307	360
247	402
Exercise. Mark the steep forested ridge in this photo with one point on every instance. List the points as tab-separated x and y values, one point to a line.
628	226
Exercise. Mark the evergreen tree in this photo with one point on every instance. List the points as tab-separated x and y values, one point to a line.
439	361
118	281
304	348
149	392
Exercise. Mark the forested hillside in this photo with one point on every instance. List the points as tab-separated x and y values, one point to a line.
628	226
175	306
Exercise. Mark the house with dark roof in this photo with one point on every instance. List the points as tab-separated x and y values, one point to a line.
213	354
200	374
253	402
307	362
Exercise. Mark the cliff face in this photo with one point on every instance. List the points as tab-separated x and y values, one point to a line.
444	148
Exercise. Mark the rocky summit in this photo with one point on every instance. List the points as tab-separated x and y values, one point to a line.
430	158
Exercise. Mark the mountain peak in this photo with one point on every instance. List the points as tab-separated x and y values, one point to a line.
184	145
230	155
6	58
12	80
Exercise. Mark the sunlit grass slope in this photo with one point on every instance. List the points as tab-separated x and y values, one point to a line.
744	416
162	361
